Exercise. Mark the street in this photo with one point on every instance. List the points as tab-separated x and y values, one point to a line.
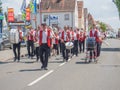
71	75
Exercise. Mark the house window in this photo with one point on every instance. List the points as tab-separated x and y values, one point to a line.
66	16
45	18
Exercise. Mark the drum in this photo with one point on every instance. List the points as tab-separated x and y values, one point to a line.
69	45
90	43
36	44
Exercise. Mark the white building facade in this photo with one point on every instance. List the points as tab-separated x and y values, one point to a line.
61	17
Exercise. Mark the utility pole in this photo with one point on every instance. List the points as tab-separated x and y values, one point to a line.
40	11
1	17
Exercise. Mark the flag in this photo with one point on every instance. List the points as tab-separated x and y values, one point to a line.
10	15
27	14
33	6
23	9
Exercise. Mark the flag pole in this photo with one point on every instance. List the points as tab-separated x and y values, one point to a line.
40	11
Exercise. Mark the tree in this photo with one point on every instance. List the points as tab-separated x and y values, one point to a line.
103	26
6	16
117	3
0	6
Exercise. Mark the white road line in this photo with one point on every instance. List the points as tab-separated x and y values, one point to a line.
62	64
40	78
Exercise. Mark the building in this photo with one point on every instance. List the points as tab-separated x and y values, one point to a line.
85	19
61	13
91	21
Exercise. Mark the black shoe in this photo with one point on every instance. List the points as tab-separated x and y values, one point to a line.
37	59
76	55
42	67
90	60
14	59
45	68
66	60
32	57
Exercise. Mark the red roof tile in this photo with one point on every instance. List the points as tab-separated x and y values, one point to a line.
58	5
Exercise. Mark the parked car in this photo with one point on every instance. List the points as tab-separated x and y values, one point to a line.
114	35
5	43
108	36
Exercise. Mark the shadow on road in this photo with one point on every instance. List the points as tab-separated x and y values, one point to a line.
28	70
82	62
55	61
6	62
28	62
111	49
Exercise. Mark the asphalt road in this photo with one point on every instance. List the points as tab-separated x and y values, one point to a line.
73	75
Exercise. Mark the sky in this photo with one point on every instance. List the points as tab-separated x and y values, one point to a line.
102	10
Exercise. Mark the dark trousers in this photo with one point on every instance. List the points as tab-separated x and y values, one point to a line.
72	50
16	54
60	46
55	46
82	46
98	48
75	49
44	50
49	51
30	48
64	51
37	53
93	52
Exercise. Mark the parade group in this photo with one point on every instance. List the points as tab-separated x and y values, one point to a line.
45	41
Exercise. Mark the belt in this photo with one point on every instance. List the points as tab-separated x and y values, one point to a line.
44	43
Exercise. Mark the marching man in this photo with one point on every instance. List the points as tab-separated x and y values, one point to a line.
65	37
17	45
45	36
95	33
82	37
55	42
75	41
30	42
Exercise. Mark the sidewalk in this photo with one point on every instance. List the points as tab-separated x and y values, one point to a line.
8	54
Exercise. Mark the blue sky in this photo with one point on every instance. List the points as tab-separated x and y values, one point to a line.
103	10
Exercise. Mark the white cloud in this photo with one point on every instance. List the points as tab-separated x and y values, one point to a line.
113	21
16	4
103	10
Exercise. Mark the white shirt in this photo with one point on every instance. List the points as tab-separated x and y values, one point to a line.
44	37
65	36
75	36
93	32
54	40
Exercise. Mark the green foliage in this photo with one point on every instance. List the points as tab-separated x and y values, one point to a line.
0	7
103	26
117	3
23	16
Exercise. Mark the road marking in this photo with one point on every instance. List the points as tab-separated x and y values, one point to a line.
40	78
62	64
